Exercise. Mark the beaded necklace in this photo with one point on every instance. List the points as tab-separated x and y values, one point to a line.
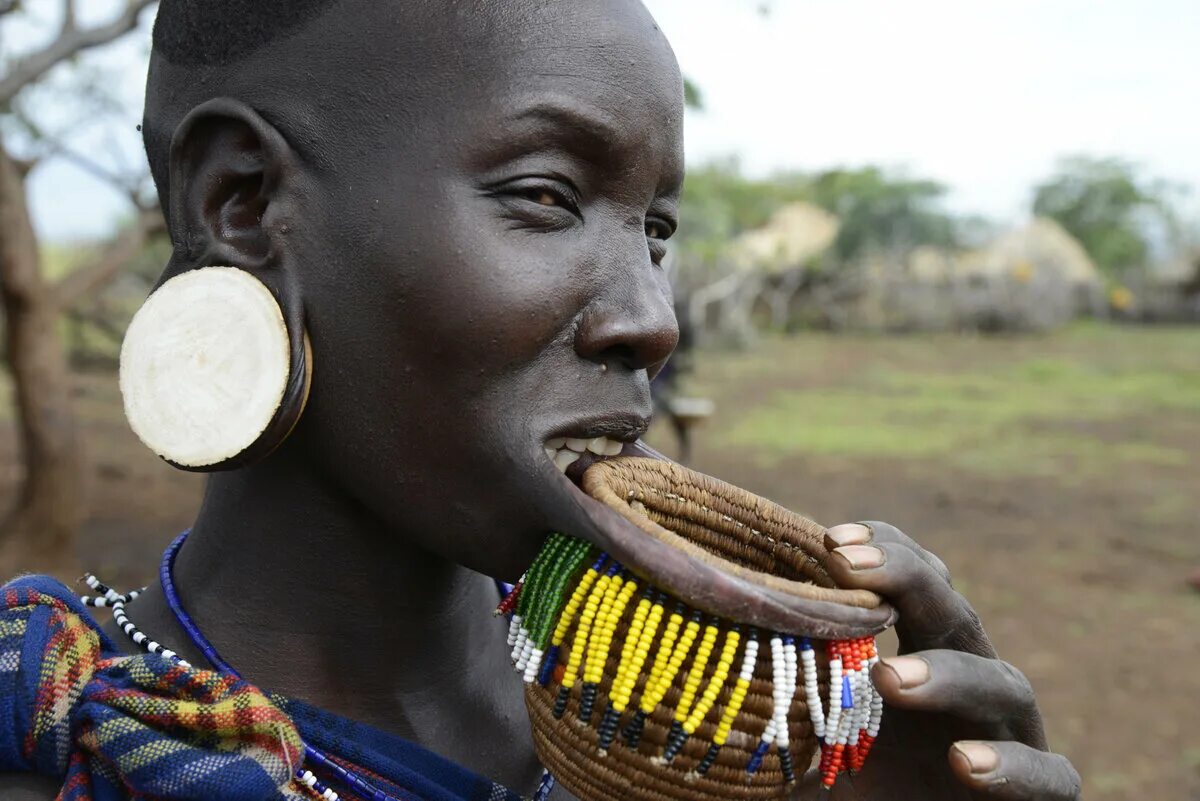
107	597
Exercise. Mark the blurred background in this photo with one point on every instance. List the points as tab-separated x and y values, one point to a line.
939	265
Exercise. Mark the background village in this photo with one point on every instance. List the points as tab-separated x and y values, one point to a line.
1022	397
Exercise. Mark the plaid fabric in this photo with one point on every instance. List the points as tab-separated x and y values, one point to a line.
120	727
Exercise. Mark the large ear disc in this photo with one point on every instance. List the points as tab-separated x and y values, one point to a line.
210	377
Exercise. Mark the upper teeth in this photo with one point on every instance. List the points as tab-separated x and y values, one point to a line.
564	451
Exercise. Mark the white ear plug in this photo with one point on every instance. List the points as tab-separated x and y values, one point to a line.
204	366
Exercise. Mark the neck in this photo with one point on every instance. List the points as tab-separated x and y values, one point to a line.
306	594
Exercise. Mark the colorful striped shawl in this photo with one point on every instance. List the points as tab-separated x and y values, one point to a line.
141	727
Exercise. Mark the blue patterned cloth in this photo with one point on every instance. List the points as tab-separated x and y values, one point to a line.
115	727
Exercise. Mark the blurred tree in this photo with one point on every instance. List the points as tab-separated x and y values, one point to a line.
878	209
693	98
882	211
51	503
719	202
1109	207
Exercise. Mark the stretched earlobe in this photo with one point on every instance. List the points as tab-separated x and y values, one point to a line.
209	374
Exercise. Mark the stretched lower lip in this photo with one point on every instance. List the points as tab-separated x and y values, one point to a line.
702	585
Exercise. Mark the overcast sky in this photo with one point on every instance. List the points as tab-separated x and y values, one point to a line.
981	95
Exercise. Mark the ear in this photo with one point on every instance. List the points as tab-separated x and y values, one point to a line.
229	174
232	180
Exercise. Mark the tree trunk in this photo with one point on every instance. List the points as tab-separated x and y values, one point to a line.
50	504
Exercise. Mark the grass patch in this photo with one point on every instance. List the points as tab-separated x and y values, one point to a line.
1054	412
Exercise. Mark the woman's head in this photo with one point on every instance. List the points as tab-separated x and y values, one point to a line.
466	202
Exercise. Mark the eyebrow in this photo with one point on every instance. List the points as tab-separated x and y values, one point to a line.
572	129
581	133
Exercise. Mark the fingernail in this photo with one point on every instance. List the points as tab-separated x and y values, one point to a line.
847	534
861	557
980	756
913	671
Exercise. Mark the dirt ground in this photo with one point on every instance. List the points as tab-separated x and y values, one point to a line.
1057	477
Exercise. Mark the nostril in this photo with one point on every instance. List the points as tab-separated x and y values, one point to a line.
619	354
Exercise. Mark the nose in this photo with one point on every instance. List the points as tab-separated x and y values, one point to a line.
632	324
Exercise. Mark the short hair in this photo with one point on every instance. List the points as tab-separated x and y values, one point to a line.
217	32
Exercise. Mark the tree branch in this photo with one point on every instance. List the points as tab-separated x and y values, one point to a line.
81	282
68	20
70	42
125	184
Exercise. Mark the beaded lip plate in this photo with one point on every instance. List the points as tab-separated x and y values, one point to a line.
633	694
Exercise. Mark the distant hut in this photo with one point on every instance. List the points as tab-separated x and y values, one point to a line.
769	265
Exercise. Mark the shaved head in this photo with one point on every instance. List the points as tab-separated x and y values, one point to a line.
328	73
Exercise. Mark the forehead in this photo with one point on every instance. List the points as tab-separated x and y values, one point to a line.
600	72
600	75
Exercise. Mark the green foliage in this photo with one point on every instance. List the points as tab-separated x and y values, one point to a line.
1108	206
878	209
719	202
882	211
693	98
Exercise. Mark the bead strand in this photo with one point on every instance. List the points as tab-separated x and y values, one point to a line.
620	590
105	595
812	692
591	608
672	649
738	697
716	682
116	601
567	618
781	727
691	686
628	668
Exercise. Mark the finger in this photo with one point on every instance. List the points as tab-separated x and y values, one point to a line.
987	692
1014	772
932	613
879	531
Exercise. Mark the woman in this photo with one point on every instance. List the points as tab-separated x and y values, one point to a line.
462	208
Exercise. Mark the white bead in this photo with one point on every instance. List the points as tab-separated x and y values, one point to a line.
534	664
139	638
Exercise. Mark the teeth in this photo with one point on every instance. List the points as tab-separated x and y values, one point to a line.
564	459
564	451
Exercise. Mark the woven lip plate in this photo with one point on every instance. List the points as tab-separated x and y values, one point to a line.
740	534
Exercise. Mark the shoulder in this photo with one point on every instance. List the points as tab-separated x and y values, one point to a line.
28	787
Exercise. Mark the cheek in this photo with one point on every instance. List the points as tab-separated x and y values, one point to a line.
479	295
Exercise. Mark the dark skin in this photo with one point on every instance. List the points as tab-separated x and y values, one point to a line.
477	263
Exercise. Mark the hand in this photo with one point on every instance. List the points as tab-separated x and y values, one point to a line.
958	723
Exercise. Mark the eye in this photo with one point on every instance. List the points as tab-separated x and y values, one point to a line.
657	230
543	197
